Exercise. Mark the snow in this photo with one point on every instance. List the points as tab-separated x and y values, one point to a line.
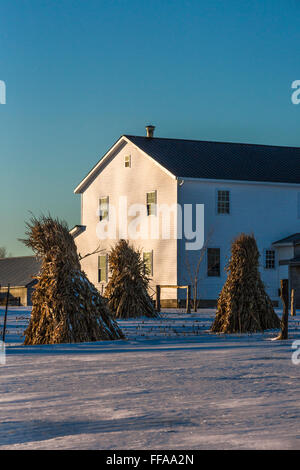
170	385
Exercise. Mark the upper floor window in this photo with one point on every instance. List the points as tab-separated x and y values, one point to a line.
270	259
151	203
148	260
102	268
127	161
103	208
223	202
213	262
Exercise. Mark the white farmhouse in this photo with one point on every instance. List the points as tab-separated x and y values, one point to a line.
243	187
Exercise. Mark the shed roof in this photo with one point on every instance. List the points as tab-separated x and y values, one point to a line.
18	271
290	240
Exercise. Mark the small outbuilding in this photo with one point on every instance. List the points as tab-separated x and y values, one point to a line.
288	254
19	273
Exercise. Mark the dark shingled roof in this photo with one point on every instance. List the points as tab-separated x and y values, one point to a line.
223	160
295	238
18	271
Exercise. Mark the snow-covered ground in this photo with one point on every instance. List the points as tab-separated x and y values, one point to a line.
170	385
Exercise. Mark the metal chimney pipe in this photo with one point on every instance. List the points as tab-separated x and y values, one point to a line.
150	131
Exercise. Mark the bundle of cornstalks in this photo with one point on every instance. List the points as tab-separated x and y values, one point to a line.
67	308
127	289
243	304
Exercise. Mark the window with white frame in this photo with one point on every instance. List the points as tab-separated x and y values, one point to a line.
148	261
270	259
103	208
127	161
223	202
102	268
151	200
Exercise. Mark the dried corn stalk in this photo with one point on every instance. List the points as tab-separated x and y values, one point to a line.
67	308
127	289
243	304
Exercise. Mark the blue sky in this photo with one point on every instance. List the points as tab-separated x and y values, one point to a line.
81	73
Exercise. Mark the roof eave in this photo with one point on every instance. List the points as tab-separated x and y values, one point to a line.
77	230
85	182
290	244
219	180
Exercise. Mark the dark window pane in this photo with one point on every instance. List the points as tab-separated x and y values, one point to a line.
270	259
147	258
213	262
102	268
223	202
103	208
127	161
151	203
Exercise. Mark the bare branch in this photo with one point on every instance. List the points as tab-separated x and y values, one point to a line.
193	269
97	250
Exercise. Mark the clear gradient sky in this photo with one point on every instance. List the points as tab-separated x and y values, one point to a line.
81	73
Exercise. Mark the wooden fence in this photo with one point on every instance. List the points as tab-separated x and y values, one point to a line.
188	295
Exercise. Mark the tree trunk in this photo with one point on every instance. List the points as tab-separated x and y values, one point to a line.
285	316
188	299
158	298
293	303
195	297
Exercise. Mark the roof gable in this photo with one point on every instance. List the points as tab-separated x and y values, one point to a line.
94	172
107	158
